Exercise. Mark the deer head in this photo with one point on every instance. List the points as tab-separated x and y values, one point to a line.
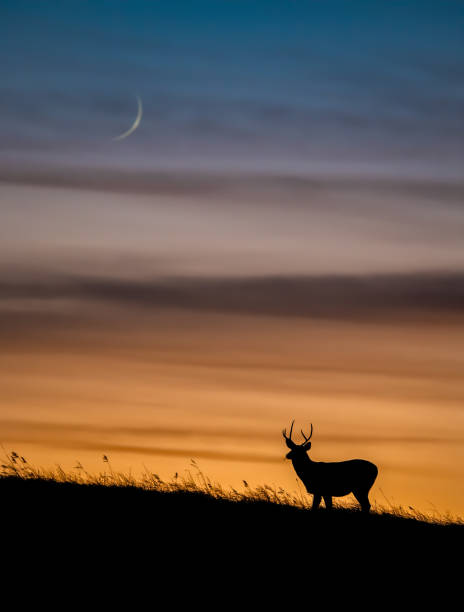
297	450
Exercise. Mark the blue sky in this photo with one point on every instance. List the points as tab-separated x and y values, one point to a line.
347	116
362	86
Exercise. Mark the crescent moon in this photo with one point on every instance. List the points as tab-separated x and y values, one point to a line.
136	123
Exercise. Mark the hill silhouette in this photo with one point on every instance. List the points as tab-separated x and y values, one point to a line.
111	540
172	522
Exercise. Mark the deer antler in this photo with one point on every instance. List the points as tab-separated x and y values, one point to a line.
307	439
288	439
284	431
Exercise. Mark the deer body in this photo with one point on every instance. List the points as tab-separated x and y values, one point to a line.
327	480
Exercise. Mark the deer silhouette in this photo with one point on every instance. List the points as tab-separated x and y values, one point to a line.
327	480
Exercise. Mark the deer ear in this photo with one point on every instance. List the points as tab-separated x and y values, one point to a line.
307	446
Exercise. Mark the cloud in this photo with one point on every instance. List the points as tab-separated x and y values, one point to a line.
106	439
193	453
338	297
269	184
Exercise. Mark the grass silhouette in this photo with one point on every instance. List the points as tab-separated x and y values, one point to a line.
208	542
16	471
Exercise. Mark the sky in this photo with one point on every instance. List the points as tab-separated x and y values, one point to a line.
281	237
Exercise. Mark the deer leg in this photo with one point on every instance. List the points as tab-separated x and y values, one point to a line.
363	500
328	502
316	501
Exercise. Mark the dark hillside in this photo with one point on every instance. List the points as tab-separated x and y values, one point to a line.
72	538
53	511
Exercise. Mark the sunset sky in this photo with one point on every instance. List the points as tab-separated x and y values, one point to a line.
280	238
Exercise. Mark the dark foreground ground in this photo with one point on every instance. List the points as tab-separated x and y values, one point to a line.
70	534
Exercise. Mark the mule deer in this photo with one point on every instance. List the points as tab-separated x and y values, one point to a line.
329	480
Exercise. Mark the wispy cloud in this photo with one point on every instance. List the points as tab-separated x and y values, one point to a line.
337	297
37	429
106	439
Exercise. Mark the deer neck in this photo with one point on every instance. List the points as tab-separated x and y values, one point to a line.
303	466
